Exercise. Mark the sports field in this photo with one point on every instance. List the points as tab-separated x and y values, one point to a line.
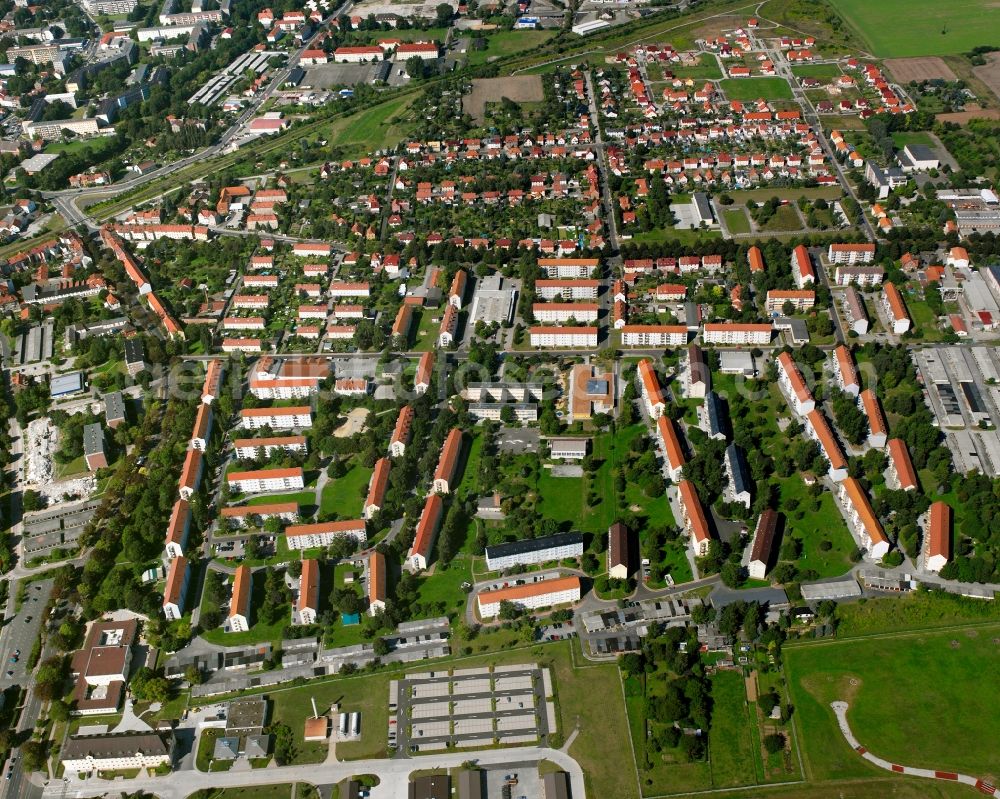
921	699
931	27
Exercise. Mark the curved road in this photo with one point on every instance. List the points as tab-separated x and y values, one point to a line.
840	710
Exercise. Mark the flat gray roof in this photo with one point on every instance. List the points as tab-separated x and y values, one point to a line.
71	383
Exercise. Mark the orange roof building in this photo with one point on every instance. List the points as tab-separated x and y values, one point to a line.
652	394
376	582
544	593
695	521
447	466
377	487
878	432
671	444
819	430
175	590
238	620
794	385
427	529
401	433
861	519
307	603
900	466
937	538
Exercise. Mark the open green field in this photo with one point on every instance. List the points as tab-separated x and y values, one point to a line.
901	28
505	43
912	697
731	744
346	495
903	137
748	89
736	220
373	128
785	220
790	193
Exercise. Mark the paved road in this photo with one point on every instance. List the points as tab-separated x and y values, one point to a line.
394	775
21	632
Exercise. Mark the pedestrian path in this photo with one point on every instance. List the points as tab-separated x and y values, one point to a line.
840	709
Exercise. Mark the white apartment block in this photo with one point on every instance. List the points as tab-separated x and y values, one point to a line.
861	275
567	289
794	386
266	480
276	418
563	337
654	335
734	334
567	268
564	311
248	448
851	253
534	550
322	534
530	597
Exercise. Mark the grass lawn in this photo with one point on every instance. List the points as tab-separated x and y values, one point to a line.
373	128
346	495
748	89
75	466
731	745
791	194
909	701
441	591
814	527
286	790
708	69
924	320
306	500
736	220
785	220
915	611
820	71
931	28
902	138
425	337
504	43
686	237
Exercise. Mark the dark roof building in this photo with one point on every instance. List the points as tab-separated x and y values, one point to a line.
434	786
556	785
534	550
619	551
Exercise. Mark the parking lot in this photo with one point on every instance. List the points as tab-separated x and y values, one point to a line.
472	708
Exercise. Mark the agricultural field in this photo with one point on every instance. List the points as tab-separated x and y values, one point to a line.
909	699
522	89
931	28
749	89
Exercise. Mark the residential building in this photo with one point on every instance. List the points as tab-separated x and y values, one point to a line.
568	268
299	417
762	545
307	603
654	335
264	446
649	386
799	299
194	465
427	529
93	447
531	596
376	582
528	551
936	548
858	275
845	372
591	391
178	529
567	289
121	751
736	334
102	666
697	375
213	380
739	486
175	590
819	430
877	429
261	481
670	444
238	620
578	336
861	519
448	327
895	309
114	409
693	517
401	433
621	555
713	417
244	515
447	466
851	253
802	269
856	314
202	427
377	486
425	369
135	356
561	312
793	385
901	472
322	534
